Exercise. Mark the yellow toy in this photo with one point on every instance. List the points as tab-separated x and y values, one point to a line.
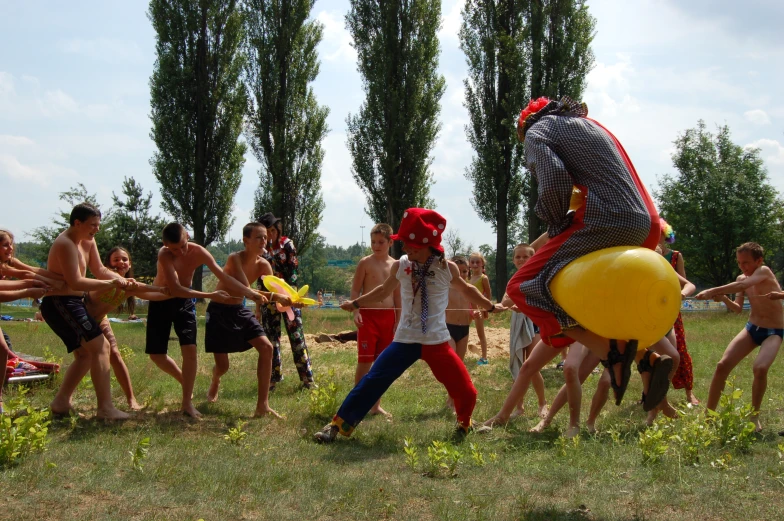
625	293
278	285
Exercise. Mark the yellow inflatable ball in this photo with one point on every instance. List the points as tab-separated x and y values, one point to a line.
626	293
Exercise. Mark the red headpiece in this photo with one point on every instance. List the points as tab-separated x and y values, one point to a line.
533	107
421	227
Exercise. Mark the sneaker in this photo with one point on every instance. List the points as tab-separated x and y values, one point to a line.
482	361
461	432
309	386
327	434
559	365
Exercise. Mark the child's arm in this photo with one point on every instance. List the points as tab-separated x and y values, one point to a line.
397	301
687	288
486	287
540	241
233	285
16	294
735	306
16	263
740	285
356	290
378	293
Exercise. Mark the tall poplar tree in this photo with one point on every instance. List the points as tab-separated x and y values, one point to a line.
198	102
391	137
493	38
286	125
560	36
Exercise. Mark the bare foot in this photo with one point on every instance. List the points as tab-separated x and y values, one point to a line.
590	427
266	411
496	421
541	426
519	411
190	410
378	410
757	424
668	410
111	413
651	417
691	398
63	412
571	432
543	410
134	405
212	392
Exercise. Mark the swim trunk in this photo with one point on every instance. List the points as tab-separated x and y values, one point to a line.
229	328
161	315
760	334
376	334
457	332
69	320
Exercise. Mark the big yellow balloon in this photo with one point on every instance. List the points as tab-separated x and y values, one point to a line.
626	293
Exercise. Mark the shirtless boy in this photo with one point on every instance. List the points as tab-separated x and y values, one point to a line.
177	260
232	328
458	313
765	327
376	325
64	310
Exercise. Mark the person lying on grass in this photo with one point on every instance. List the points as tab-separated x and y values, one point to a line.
424	278
764	329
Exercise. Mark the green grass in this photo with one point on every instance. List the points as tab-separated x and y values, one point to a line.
192	472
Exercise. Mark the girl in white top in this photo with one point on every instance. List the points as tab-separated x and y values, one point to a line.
425	278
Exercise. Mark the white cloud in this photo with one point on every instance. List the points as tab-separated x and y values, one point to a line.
42	175
450	23
14	141
336	44
57	103
108	50
757	116
772	151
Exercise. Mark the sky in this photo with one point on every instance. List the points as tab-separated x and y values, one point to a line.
74	101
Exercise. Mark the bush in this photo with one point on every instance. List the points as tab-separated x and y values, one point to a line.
23	430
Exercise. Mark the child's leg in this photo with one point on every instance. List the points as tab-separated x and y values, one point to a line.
5	351
263	374
739	348
100	373
587	366
598	400
480	332
298	347
167	364
118	365
78	369
461	347
387	368
452	373
538	384
767	355
362	369
219	369
189	368
574	389
541	355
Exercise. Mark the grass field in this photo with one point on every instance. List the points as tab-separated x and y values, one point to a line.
276	472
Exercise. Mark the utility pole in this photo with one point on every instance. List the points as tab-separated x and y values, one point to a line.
362	236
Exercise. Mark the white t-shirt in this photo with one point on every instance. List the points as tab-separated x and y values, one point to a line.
409	330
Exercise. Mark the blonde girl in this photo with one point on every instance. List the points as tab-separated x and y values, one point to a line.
477	277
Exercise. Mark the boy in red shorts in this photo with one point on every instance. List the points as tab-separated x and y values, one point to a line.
377	321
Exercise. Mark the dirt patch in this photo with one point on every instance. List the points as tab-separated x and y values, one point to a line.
497	343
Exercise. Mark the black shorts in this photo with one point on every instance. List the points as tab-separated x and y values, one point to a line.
161	315
229	328
457	332
69	320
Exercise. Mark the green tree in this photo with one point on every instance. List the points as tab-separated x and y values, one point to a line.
286	125
720	198
197	105
493	37
135	229
45	235
391	137
560	33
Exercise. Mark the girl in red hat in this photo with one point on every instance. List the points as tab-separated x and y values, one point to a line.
425	278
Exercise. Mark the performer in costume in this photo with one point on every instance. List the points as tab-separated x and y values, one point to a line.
564	149
425	278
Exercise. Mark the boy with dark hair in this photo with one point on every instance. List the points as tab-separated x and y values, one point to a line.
64	310
178	259
232	328
377	321
764	329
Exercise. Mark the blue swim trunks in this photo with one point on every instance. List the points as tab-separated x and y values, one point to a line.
759	334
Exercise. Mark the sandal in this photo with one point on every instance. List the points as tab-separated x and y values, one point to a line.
626	358
660	378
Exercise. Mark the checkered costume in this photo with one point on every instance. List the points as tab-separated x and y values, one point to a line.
564	149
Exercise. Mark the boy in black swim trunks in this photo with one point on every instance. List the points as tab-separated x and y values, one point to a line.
458	315
177	261
765	327
232	328
64	310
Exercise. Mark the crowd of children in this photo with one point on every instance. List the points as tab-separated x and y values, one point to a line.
417	307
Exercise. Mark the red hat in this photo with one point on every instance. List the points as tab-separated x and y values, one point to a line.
533	107
421	227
